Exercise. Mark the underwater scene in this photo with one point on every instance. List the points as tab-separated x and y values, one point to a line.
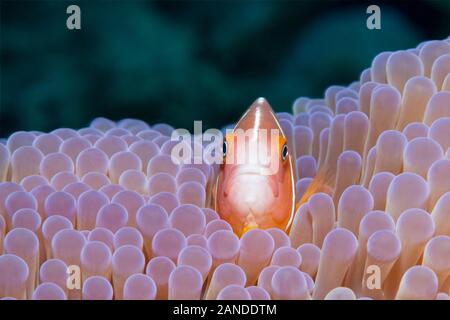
215	150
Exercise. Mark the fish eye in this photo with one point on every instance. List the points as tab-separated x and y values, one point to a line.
284	152
224	148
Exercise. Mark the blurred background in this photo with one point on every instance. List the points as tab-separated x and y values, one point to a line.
180	61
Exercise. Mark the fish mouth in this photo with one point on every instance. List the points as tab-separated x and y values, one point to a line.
251	178
252	170
251	197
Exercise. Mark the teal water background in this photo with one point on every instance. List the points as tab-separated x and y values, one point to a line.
180	61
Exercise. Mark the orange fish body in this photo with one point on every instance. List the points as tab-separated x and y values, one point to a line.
255	185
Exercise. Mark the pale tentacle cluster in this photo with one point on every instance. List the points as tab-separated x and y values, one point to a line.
108	201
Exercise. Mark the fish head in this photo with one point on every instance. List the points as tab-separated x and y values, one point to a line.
255	185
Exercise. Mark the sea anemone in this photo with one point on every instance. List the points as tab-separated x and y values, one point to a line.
108	201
